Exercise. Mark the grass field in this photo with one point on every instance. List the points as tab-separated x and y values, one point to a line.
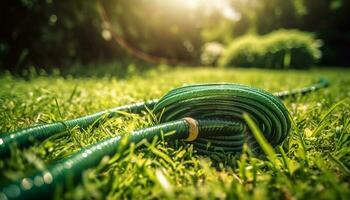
317	152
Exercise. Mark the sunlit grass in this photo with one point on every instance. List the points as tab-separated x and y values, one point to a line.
313	162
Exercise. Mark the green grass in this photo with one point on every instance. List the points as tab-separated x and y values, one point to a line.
313	162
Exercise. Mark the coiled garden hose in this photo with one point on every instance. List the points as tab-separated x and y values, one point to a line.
207	115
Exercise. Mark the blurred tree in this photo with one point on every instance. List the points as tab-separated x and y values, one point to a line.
330	20
47	33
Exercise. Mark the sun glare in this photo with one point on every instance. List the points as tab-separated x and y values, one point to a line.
192	4
212	5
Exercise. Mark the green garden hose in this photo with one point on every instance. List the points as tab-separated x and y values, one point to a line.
207	115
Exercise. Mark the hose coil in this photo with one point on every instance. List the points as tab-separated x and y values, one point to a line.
226	103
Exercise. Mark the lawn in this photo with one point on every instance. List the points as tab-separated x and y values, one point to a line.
314	163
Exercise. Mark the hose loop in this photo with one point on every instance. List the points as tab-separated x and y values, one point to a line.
226	102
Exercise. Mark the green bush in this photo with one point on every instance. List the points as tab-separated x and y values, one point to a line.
279	49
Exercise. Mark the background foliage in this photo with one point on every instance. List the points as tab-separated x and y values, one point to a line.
279	49
52	33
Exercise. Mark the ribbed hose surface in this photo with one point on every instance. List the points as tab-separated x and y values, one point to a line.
217	108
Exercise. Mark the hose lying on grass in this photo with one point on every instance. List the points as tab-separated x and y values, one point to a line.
200	114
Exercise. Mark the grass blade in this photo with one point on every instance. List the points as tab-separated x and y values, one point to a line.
260	138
